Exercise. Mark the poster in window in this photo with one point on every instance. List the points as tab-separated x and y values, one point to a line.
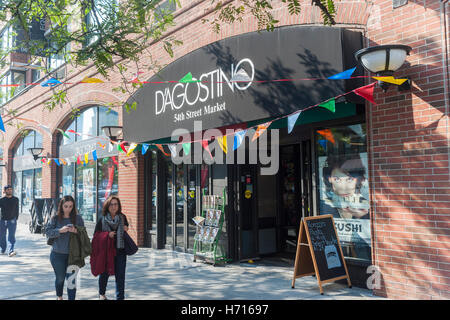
88	186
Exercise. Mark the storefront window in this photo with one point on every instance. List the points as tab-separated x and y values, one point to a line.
343	181
108	179
169	239
37	183
68	180
154	192
179	205
27	190
17	184
86	187
192	203
87	124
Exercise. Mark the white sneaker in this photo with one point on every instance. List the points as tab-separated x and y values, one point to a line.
12	253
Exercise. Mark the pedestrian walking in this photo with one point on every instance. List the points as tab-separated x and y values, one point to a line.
9	205
58	233
115	223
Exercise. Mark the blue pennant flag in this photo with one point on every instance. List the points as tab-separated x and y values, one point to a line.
2	126
50	82
144	148
57	162
94	155
347	74
292	120
238	137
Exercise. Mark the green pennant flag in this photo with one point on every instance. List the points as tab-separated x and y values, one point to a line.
188	78
63	133
186	148
330	105
119	148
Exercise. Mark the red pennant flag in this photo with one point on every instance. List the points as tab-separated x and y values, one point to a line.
366	92
122	146
79	159
162	150
205	145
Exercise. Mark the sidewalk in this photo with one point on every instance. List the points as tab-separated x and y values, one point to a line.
163	275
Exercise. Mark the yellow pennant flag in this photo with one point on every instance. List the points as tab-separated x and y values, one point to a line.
131	148
91	80
260	130
86	157
391	79
222	143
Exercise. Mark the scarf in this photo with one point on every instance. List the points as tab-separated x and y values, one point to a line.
116	224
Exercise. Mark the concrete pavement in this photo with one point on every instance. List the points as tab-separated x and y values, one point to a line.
163	275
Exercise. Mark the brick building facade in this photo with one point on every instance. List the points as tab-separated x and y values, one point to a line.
407	133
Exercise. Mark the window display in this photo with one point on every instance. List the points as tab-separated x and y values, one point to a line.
344	192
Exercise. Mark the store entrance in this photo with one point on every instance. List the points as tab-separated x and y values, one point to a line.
295	180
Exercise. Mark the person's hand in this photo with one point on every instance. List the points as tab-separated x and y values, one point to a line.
64	229
112	234
73	230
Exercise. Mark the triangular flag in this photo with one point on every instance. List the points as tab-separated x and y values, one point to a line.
260	130
103	146
144	148
2	126
205	145
63	161
50	82
74	132
91	80
94	155
131	148
57	162
173	150
188	78
391	79
238	137
347	74
292	119
122	146
366	92
222	143
327	134
86	157
79	159
160	147
330	105
63	133
186	148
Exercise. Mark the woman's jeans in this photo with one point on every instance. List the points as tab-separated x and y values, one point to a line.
120	263
59	263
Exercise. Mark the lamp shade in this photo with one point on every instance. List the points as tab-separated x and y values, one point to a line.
112	132
383	60
35	151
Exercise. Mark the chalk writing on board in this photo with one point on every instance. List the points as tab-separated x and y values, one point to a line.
317	233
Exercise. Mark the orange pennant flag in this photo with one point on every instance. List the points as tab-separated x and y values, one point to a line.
327	134
260	130
162	150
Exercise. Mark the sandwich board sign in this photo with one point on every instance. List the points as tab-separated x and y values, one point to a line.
319	252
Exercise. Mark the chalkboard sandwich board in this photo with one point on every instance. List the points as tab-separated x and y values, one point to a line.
319	252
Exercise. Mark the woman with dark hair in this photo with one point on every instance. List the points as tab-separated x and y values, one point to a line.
343	177
58	232
115	223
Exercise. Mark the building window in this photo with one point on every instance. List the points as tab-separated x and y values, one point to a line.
27	173
92	183
343	181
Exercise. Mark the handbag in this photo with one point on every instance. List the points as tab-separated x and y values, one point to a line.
130	246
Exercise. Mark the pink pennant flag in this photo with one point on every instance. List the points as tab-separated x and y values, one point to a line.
205	145
366	92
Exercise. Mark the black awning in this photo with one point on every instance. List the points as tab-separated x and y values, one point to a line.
293	52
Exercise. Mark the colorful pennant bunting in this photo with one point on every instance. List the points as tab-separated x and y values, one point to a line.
391	79
292	119
91	80
330	105
186	148
343	75
366	92
2	126
222	143
144	148
261	129
94	155
131	148
63	133
173	150
51	82
162	150
205	145
238	137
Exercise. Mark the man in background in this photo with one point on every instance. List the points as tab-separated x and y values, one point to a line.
9	206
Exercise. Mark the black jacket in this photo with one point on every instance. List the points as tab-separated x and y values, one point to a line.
10	208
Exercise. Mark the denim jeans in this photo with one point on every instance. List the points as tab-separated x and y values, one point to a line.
120	263
10	226
59	263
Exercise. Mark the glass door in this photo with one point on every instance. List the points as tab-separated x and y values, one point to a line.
192	183
179	205
168	204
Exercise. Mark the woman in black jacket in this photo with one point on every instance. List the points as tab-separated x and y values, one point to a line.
116	223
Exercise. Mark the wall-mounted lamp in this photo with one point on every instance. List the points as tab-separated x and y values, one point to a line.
35	152
384	61
113	132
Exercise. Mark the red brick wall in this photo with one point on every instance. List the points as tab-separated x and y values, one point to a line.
410	157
